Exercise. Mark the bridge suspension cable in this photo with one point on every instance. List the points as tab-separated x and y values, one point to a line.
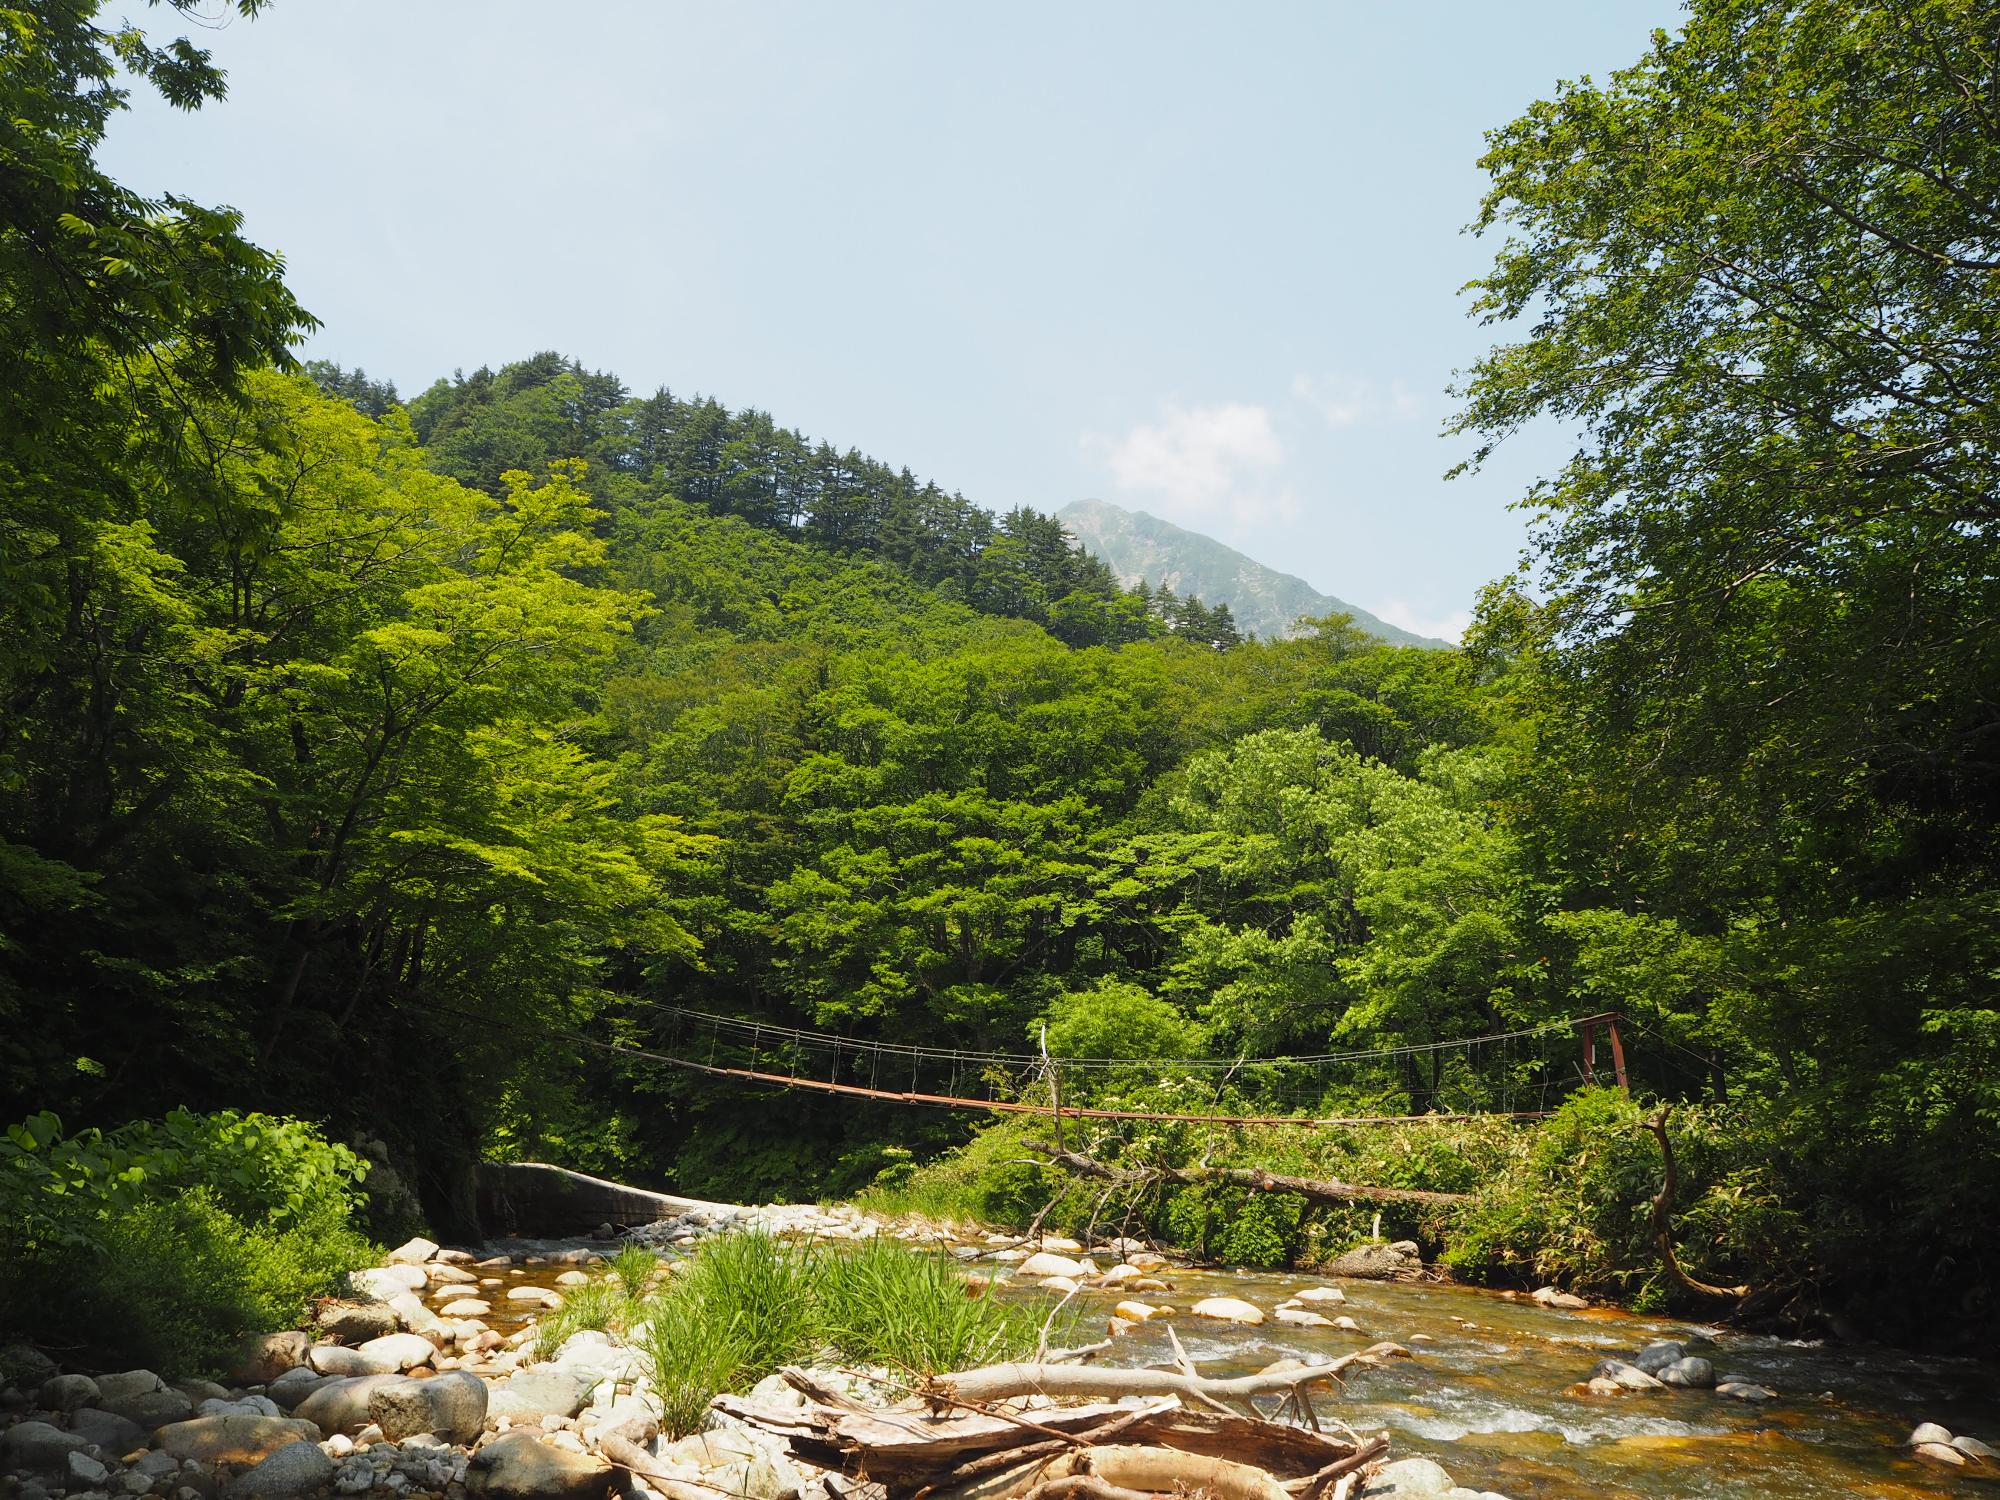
1514	1074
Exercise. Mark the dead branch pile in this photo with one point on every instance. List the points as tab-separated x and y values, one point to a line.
989	1434
1315	1189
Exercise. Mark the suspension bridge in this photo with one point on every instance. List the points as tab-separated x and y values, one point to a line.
1518	1074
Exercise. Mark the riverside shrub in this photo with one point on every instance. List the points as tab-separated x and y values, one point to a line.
165	1242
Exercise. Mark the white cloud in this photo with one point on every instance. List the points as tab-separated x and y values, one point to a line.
1201	461
1445	627
1354	401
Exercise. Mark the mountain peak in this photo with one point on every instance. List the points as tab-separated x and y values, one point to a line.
1137	545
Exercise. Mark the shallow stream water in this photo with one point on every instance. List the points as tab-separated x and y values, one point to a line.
1486	1396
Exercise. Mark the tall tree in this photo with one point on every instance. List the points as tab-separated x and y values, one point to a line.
1763	268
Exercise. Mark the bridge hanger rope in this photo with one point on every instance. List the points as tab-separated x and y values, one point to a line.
775	1035
793	1039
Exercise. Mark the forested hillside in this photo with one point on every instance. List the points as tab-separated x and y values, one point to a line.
368	760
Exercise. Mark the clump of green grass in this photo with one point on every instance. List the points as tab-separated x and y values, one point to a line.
747	1304
694	1352
890	1305
602	1306
761	1286
633	1267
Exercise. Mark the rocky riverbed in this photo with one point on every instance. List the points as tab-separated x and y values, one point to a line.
425	1382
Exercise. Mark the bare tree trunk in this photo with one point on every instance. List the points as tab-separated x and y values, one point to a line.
1663	1223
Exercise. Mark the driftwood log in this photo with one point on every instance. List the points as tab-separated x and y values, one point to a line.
1073	1382
1317	1189
658	1476
948	1443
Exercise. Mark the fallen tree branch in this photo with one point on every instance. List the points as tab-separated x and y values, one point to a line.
1319	1190
1168	1471
996	1382
664	1481
1086	1487
1662	1223
1310	1487
990	1463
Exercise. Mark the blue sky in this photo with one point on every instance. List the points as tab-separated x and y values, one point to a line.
1199	260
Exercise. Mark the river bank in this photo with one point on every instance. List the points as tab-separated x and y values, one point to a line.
436	1379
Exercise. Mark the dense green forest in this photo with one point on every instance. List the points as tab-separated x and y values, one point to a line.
361	754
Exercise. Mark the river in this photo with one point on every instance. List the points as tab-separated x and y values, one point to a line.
1486	1395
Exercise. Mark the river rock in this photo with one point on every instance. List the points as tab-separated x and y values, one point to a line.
413	1315
24	1365
84	1472
1317	1294
1973	1446
518	1467
1061	1284
294	1471
234	1439
1927	1432
630	1418
1548	1296
1298	1317
413	1252
1743	1390
37	1448
572	1278
541	1393
155	1463
380	1283
129	1383
452	1406
341	1405
1624	1376
1138	1312
590	1356
107	1430
1409	1479
1690	1371
339	1359
440	1274
1044	1264
66	1392
242	1406
1228	1310
150	1409
1656	1357
1060	1243
1375	1262
292	1387
1942	1454
264	1357
465	1307
357	1322
401	1351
